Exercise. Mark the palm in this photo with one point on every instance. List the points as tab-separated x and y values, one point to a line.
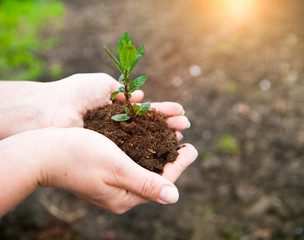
72	97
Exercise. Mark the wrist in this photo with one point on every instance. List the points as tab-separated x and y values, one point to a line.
18	173
18	107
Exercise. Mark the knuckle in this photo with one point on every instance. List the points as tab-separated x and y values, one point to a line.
105	75
147	186
76	75
119	209
122	210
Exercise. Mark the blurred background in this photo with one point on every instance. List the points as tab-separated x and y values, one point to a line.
237	66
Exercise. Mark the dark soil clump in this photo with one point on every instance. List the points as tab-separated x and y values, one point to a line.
147	140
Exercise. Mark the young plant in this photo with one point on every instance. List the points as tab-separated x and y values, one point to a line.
128	56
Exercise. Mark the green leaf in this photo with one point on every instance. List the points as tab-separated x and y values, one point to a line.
114	94
135	107
126	51
121	117
124	39
114	59
127	110
140	53
121	78
143	108
127	55
141	50
137	83
127	80
121	89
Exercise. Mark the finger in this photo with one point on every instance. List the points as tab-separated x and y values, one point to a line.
144	183
178	122
121	201
187	155
168	108
114	84
127	200
179	135
137	96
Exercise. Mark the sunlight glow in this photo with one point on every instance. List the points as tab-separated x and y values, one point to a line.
240	10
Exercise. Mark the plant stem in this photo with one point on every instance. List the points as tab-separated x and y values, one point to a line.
133	115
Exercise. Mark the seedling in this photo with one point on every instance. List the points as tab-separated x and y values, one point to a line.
128	56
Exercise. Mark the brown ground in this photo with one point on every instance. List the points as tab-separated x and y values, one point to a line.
251	86
147	139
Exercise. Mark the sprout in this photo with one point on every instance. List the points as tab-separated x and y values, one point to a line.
128	56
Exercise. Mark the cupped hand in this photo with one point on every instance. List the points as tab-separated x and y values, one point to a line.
97	171
76	159
30	105
87	164
79	93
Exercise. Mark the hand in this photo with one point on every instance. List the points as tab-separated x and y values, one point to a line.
30	105
85	163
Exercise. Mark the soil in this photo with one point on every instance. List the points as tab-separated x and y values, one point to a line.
238	77
147	140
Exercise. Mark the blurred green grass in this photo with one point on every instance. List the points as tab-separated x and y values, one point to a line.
228	144
21	43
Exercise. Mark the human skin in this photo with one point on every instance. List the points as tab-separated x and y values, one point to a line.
62	154
31	105
86	164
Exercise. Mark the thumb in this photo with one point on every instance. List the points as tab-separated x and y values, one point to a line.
146	184
154	187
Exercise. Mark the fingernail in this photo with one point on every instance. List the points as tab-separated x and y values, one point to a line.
168	194
189	125
184	112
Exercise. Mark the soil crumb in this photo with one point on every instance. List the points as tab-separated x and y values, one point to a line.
147	140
